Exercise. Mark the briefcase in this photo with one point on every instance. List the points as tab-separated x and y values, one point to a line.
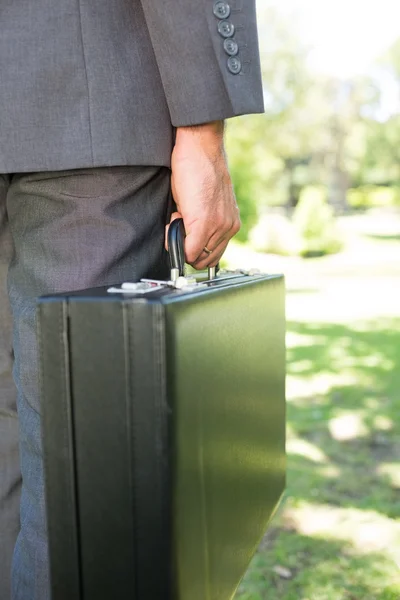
163	432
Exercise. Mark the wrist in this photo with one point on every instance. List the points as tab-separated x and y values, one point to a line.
210	136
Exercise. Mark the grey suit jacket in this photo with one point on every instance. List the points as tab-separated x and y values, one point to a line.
103	82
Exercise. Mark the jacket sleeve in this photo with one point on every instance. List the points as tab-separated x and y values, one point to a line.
208	57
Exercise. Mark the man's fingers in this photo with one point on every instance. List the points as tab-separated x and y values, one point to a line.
219	237
211	260
196	239
200	235
209	235
217	244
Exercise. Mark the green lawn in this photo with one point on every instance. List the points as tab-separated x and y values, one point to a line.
337	534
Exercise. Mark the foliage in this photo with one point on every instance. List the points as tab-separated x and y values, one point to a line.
317	130
275	234
313	231
242	178
368	196
316	224
391	59
380	163
254	170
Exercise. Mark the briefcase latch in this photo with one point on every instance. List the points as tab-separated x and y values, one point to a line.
181	282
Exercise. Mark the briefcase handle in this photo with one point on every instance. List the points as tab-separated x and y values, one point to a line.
176	249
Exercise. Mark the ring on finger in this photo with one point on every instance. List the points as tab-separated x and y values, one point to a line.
207	250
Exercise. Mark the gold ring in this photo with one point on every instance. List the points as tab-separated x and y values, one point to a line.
207	250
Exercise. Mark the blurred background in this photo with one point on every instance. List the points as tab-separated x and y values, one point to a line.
318	183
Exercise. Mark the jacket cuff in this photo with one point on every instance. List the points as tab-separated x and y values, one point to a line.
208	57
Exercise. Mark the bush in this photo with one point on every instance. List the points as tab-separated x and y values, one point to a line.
243	183
315	223
275	234
368	196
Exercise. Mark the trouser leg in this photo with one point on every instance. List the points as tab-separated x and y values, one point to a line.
10	476
71	230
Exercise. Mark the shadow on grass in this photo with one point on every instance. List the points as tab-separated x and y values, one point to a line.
352	425
342	442
324	570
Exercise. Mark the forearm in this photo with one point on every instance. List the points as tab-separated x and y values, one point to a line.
207	138
203	192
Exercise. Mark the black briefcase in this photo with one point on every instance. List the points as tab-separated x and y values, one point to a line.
163	432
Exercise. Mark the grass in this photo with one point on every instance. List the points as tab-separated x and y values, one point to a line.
337	534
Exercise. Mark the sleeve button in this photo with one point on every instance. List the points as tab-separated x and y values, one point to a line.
222	10
231	47
234	65
226	29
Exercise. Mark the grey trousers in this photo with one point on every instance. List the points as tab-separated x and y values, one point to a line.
70	230
10	476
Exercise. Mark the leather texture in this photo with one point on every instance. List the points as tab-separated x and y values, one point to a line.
59	460
164	417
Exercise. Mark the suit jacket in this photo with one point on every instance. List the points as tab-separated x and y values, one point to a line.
103	82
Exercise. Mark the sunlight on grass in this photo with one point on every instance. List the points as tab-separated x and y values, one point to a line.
337	535
383	423
365	531
318	385
347	427
302	366
329	471
392	472
293	339
305	448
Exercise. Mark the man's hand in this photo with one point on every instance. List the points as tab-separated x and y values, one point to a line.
203	192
